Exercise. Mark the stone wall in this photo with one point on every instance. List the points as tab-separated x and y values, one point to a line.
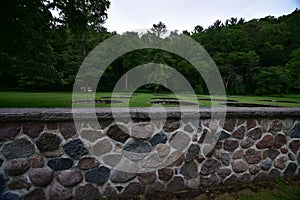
42	155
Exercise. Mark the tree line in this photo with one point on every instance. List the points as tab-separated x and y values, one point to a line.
41	51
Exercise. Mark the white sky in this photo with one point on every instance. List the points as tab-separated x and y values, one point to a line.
127	15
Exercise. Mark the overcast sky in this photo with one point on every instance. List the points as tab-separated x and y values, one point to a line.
127	15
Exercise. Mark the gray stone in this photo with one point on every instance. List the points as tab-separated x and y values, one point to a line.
174	159
239	166
155	187
192	152
133	189
9	131
70	178
229	124
266	142
58	192
19	183
121	177
54	154
255	133
112	159
3	180
68	130
37	161
287	124
58	164
294	146
238	154
273	153
142	130
275	126
65	114
203	136
159	138
295	132
99	175
210	166
274	173
8	195
176	184
91	135
298	159
17	167
189	170
171	125
247	142
224	172
127	165
52	126
223	135
33	129
136	149
41	176
266	164
188	128
225	159
87	191
118	134
279	141
88	163
231	180
193	183
254	169
165	174
35	194
75	149
230	145
102	147
210	180
103	122
147	178
180	140
290	170
151	161
217	153
19	148
239	133
163	150
251	123
48	142
280	162
252	156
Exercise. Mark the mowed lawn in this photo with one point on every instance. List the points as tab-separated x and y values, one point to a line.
64	99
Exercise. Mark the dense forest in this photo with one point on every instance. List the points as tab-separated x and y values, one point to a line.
41	52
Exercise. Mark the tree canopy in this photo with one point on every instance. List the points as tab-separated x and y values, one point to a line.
42	51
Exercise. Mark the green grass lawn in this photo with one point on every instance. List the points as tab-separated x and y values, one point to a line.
283	190
64	99
278	189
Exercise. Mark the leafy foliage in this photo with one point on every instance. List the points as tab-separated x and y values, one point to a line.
41	51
